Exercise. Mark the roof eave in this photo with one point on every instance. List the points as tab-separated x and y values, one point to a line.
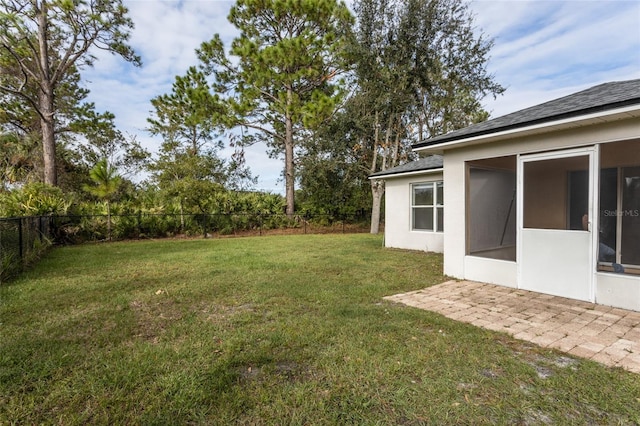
600	117
404	174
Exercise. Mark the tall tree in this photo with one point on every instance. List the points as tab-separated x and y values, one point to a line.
83	136
283	80
46	40
420	70
75	121
190	116
331	180
189	120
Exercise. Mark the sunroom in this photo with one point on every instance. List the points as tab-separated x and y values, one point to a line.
548	198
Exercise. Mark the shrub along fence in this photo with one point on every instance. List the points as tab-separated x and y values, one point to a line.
78	229
23	239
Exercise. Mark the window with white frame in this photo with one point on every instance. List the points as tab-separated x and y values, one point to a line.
427	206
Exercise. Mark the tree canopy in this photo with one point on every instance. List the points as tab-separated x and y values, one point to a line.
190	119
42	45
281	77
419	70
335	97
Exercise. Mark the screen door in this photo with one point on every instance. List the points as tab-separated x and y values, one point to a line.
556	199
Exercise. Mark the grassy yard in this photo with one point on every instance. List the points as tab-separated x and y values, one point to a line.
273	330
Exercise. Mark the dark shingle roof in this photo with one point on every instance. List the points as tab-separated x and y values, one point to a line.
599	98
426	163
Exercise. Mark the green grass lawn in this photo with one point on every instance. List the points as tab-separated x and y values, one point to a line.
272	330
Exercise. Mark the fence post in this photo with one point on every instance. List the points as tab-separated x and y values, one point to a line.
20	251
1	258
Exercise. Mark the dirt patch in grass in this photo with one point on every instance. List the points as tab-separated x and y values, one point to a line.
218	313
546	366
281	371
154	317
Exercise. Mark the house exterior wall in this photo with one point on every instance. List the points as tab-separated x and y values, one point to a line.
621	291
616	290
397	232
455	225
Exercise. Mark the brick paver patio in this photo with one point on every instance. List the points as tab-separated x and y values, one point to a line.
608	335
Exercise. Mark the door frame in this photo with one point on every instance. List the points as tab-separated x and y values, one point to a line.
593	153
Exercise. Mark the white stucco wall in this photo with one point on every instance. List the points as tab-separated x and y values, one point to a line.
397	226
616	290
454	214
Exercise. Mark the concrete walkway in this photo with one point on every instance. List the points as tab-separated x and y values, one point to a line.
608	335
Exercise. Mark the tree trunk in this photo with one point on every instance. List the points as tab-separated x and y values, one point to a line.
387	144
289	176
377	190
46	101
376	130
396	146
48	142
375	208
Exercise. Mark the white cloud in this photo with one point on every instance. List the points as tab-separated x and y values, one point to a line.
547	49
166	35
168	32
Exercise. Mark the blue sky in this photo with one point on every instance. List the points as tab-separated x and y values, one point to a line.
543	50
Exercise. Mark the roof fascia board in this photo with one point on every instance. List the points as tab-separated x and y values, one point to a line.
403	174
602	116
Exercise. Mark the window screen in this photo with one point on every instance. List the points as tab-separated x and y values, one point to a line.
556	193
492	213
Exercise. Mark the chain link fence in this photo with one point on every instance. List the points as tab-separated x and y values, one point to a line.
22	240
78	229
